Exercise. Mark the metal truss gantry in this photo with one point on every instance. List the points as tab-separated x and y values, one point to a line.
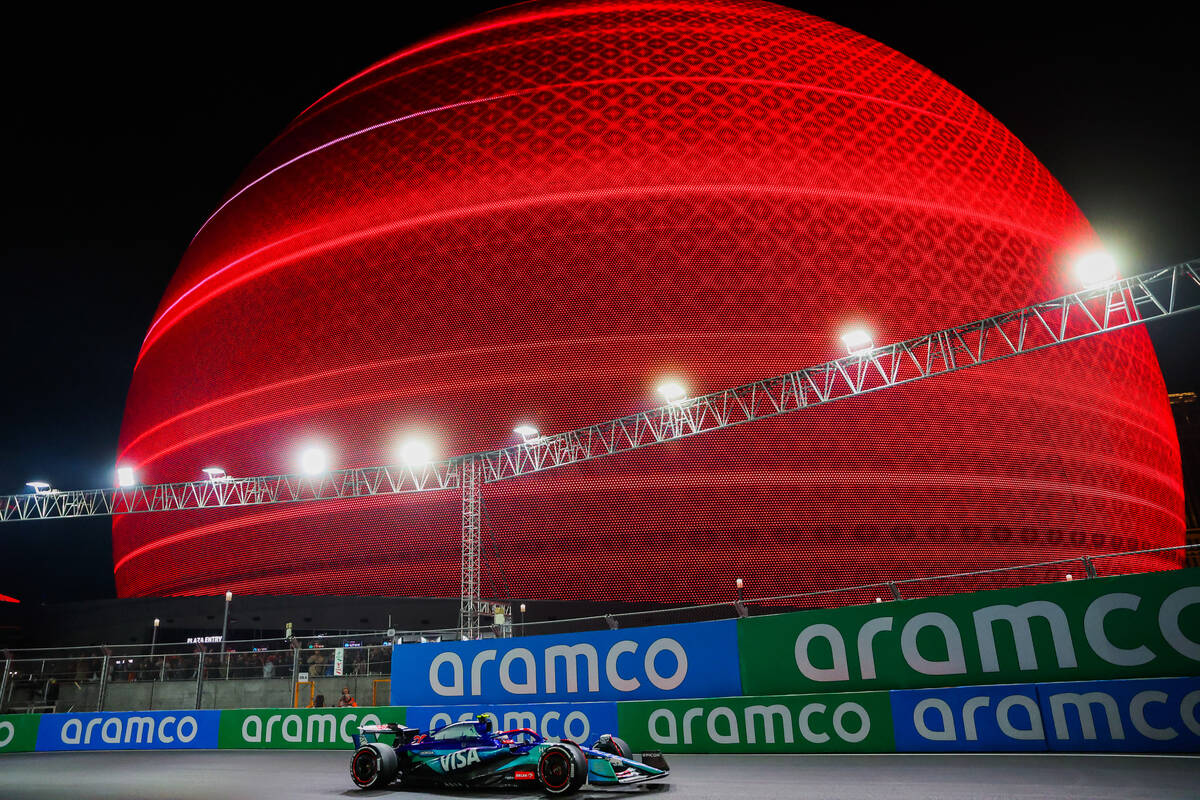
1113	306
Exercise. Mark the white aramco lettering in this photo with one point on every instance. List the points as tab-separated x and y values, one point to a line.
946	731
1004	708
7	733
1093	630
681	664
526	657
839	671
955	663
455	687
1168	621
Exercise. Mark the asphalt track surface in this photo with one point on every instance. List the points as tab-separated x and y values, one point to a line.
232	775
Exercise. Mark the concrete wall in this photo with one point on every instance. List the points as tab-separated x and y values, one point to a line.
253	693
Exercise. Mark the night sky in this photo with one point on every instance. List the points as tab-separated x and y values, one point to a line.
120	140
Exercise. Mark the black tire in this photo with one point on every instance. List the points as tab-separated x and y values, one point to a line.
374	766
614	745
562	769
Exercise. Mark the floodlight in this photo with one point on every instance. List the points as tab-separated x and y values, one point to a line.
39	487
215	474
314	461
1069	576
673	392
125	476
228	596
857	341
527	432
1096	269
415	453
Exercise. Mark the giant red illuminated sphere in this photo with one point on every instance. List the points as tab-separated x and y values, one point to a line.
536	218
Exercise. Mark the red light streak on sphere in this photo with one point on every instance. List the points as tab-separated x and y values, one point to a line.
535	218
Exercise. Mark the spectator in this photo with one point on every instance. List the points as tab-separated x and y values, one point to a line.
346	699
268	670
318	702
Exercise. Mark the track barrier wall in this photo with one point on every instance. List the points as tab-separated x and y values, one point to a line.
299	728
698	659
1105	664
1104	628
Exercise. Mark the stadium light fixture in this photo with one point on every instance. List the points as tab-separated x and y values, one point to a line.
217	475
1096	269
528	433
415	453
1069	576
314	461
857	341
673	392
125	477
40	487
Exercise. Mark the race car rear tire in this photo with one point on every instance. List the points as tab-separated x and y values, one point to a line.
614	745
373	766
562	769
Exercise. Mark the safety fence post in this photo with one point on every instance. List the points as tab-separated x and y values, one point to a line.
295	670
895	590
103	679
1089	568
199	674
4	680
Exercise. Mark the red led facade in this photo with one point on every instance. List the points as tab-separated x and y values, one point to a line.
534	219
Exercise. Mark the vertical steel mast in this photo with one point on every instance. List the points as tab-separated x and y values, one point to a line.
472	512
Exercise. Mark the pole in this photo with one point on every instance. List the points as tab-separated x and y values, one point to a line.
472	501
154	637
295	671
225	630
4	679
199	674
103	680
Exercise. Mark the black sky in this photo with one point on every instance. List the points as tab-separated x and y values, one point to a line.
120	140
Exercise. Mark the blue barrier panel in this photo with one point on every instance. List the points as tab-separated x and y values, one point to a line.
1146	715
968	718
690	660
580	722
130	730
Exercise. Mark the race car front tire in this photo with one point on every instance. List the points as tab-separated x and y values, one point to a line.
373	766
614	746
562	769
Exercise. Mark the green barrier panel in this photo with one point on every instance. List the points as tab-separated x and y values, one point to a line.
1122	627
858	722
18	732
299	728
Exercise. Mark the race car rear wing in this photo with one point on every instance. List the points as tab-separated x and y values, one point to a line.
371	733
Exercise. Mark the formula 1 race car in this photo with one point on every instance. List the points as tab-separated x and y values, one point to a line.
473	754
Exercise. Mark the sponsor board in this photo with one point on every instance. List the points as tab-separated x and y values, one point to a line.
689	660
299	728
579	722
129	730
858	722
18	732
968	718
1122	627
1153	715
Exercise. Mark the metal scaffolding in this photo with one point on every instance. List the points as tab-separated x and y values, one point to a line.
1118	304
